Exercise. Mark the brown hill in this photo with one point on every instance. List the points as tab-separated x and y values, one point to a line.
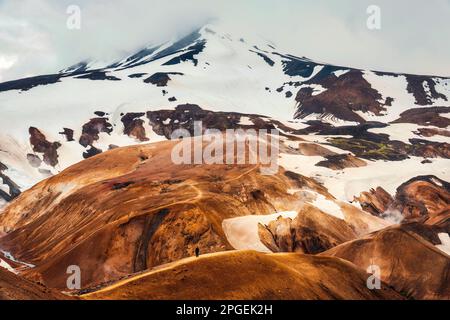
408	262
131	208
248	275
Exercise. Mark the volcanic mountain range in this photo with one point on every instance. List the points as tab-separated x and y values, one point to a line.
88	178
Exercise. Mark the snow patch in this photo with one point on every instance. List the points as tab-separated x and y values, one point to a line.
339	73
9	256
328	207
242	232
437	182
3	204
445	243
245	121
5	265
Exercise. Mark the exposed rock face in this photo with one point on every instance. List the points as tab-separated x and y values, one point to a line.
188	54
416	87
98	75
269	61
91	151
164	122
136	75
160	79
91	130
430	132
424	198
341	161
312	231
323	93
13	188
359	96
376	201
26	84
407	262
429	149
40	144
429	116
133	126
248	275
68	133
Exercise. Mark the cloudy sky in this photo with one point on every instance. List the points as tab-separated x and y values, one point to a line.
414	35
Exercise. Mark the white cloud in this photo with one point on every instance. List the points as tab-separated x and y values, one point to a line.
413	35
7	62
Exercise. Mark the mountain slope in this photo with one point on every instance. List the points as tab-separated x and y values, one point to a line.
13	287
51	122
259	276
408	262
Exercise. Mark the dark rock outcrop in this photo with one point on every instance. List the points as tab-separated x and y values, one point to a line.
416	87
359	96
164	122
68	133
91	130
14	190
160	79
98	75
40	144
429	116
134	126
375	201
91	151
431	132
341	161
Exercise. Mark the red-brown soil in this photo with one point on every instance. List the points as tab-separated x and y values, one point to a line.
130	209
408	263
248	275
13	287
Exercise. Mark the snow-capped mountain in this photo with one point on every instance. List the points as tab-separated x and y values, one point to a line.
52	121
